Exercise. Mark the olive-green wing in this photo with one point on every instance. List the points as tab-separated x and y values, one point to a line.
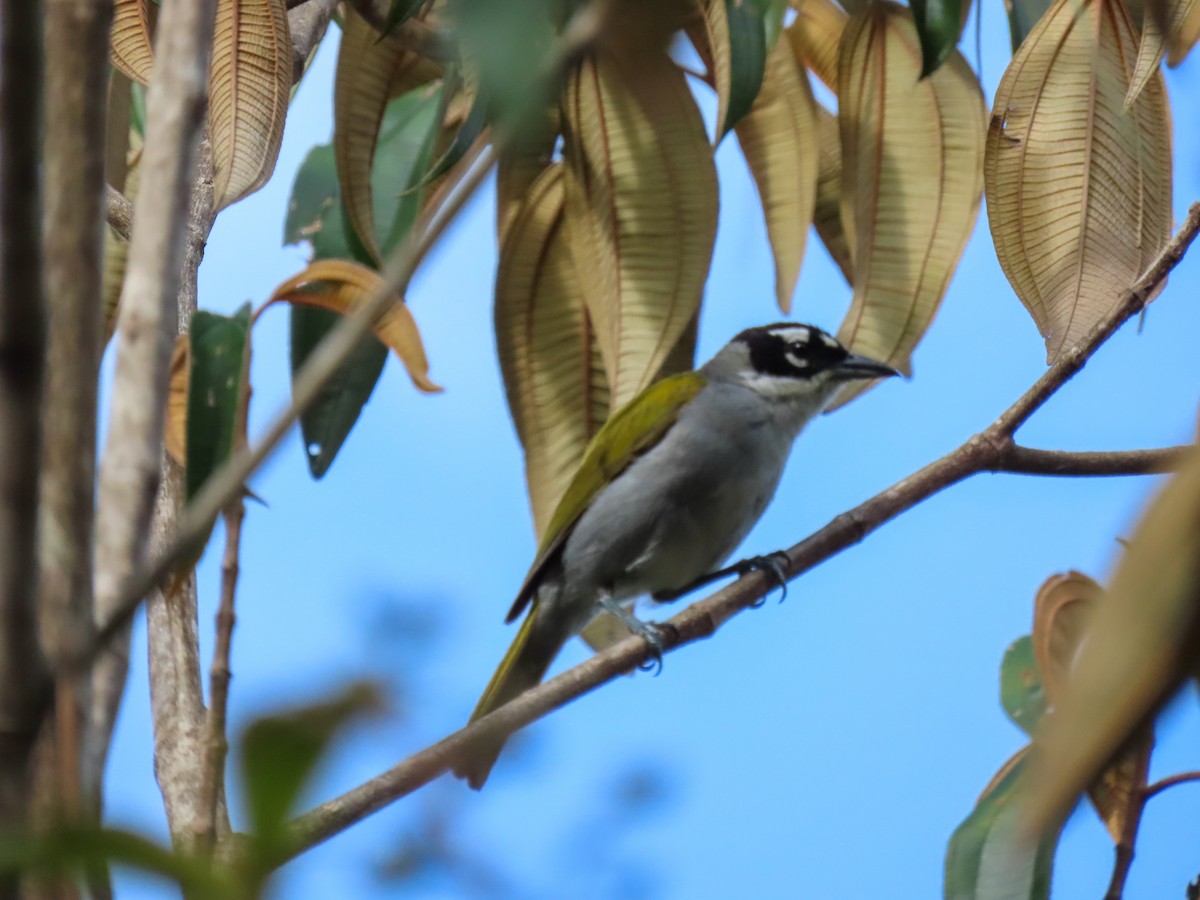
630	431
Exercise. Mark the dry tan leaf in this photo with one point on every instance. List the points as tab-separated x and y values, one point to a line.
1061	612
519	167
815	35
370	70
779	139
827	213
175	424
641	208
1140	644
341	286
116	248
709	34
1185	36
1117	793
249	88
555	384
912	150
131	40
1079	191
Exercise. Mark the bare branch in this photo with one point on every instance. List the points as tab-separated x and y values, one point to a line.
307	24
22	360
1025	460
76	70
1169	782
213	776
118	211
982	452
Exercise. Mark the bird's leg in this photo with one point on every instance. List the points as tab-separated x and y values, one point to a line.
771	563
651	632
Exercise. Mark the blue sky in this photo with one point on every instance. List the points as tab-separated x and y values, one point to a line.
823	747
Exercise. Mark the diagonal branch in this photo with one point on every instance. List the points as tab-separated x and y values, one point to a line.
1028	461
987	451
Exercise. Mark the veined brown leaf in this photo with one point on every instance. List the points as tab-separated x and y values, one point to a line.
519	167
175	423
1182	39
1183	28
131	46
709	33
912	150
641	208
340	286
815	35
1079	190
249	89
780	142
1140	645
370	70
827	213
554	380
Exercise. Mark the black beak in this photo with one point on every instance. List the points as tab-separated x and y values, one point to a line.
855	367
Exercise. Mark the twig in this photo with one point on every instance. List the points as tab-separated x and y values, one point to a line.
1170	781
212	777
1025	460
76	68
328	357
982	452
22	361
118	210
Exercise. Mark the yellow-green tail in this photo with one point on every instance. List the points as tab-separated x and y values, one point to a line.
523	667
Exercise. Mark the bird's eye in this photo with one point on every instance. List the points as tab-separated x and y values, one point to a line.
799	347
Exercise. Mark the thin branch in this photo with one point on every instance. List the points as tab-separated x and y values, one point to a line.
307	24
118	210
217	745
982	452
1169	782
1027	461
22	361
76	70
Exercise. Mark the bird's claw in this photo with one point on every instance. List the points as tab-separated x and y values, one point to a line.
656	635
772	564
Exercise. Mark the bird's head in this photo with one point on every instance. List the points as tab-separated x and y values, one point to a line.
792	363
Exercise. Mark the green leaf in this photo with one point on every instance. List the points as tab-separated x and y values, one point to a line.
1022	16
315	214
280	752
988	857
398	13
1021	692
218	355
747	58
938	25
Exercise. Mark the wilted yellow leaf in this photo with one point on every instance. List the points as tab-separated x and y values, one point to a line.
912	151
131	46
370	70
814	36
827	213
340	286
641	208
552	375
249	88
1140	644
1079	190
779	139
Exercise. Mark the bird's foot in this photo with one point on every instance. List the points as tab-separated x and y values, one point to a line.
773	564
655	634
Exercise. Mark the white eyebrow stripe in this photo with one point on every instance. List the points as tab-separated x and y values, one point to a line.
828	341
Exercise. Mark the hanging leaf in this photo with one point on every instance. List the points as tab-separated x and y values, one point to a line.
709	33
779	139
553	378
519	167
815	35
1140	645
911	181
1022	693
249	88
1023	15
370	70
1063	606
341	286
939	23
131	44
641	207
1182	18
989	856
218	366
1079	191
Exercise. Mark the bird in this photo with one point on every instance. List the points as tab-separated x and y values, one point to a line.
666	491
